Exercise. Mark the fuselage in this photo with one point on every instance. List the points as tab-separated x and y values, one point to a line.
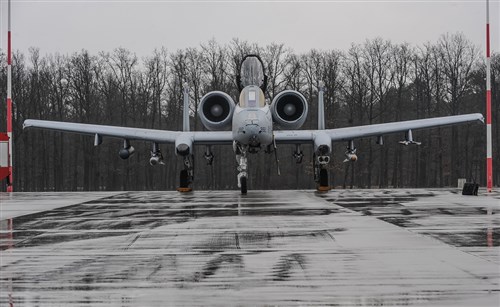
252	119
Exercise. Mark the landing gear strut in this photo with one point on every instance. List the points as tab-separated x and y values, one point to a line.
241	159
187	175
298	155
209	156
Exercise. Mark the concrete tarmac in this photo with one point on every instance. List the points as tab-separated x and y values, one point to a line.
341	248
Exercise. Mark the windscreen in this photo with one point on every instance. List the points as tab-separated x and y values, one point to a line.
252	97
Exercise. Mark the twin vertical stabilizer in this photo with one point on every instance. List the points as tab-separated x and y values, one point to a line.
321	106
185	113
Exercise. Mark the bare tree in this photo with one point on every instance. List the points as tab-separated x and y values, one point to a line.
403	56
370	83
458	56
356	98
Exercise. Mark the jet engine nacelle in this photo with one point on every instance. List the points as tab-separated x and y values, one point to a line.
289	109
216	110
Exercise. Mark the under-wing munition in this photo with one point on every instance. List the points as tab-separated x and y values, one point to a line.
126	151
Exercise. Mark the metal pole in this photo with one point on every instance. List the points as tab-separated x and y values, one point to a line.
10	183
489	158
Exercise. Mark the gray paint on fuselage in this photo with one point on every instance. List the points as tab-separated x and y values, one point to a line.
253	127
252	123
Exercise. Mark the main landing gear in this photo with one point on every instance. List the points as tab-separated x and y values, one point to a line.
186	176
320	163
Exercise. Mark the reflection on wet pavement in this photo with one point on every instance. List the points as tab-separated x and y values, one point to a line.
344	248
470	221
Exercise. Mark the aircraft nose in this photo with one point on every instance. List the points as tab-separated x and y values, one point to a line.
252	133
252	129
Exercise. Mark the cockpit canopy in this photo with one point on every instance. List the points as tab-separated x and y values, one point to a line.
252	97
252	73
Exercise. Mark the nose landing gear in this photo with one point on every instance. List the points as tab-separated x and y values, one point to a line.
241	159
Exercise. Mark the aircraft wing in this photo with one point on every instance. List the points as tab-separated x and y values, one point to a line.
225	137
153	135
350	133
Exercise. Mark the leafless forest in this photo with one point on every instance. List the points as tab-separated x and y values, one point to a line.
374	82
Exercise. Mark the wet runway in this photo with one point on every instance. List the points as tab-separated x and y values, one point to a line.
342	248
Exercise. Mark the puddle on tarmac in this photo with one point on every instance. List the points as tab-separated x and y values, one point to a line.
395	210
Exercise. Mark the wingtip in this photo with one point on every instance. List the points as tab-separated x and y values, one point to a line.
27	124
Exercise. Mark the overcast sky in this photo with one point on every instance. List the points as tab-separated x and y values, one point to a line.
140	26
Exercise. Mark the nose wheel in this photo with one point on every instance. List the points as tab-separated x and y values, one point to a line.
243	185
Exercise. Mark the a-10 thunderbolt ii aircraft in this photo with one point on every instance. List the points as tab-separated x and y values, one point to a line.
253	121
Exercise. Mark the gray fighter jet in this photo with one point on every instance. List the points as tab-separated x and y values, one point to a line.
252	122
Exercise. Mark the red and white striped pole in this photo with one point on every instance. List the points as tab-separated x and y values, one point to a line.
489	158
10	187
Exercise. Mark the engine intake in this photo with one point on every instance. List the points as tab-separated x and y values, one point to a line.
289	109
216	110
